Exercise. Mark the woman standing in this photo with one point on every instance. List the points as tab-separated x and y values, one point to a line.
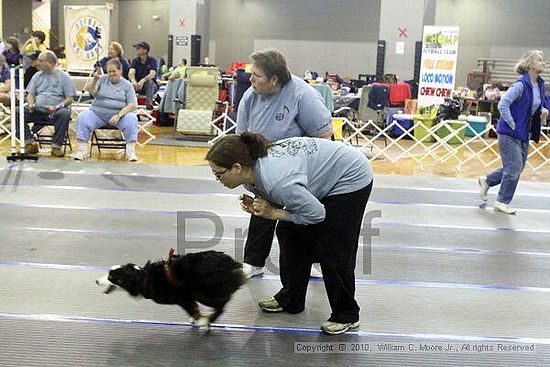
278	105
114	104
318	190
521	113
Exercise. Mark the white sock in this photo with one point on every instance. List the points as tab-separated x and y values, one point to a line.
131	147
83	148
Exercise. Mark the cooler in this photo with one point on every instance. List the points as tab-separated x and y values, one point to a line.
404	122
476	124
453	125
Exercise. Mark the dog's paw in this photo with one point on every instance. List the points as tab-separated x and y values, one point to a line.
192	320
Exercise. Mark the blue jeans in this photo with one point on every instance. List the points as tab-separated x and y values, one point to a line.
60	119
513	153
149	89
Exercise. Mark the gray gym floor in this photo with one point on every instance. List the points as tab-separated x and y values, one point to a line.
443	270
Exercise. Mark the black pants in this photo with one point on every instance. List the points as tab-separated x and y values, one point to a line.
259	240
334	243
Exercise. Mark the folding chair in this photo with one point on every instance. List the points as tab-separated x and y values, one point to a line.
43	132
5	123
108	137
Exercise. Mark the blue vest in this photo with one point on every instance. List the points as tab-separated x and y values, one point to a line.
521	112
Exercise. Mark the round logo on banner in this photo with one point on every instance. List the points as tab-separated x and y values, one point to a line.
85	38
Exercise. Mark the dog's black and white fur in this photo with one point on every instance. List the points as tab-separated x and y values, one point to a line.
208	277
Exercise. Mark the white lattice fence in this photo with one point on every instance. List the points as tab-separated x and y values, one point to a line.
379	143
441	147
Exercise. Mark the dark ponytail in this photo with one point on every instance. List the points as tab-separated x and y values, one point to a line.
257	144
244	149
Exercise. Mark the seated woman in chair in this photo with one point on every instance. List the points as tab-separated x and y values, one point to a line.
114	104
5	82
115	52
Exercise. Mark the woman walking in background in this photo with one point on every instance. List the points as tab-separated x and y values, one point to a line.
521	113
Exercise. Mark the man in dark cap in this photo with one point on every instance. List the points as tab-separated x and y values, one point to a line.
143	71
32	69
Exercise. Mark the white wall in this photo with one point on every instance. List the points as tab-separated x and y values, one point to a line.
345	58
136	23
328	35
495	29
409	17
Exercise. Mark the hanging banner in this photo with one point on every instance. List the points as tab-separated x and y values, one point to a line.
86	35
438	65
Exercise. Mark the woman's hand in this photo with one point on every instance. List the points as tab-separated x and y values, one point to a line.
97	73
247	202
114	120
262	208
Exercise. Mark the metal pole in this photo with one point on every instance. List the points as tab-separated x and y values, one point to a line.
12	111
14	155
21	111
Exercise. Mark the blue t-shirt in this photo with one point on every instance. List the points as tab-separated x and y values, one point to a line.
50	89
296	110
143	68
124	62
4	75
112	97
299	172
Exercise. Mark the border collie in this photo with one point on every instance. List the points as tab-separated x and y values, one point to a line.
208	277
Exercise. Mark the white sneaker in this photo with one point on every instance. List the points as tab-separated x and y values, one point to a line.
79	156
316	271
335	328
251	271
131	156
503	208
483	187
270	305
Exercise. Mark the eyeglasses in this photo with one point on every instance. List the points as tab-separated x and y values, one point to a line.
219	175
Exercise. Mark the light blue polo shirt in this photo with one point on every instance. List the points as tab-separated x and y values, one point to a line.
299	172
112	97
296	110
50	89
